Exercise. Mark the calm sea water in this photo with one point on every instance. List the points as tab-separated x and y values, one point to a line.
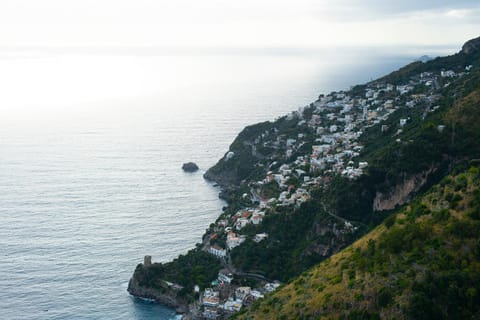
91	147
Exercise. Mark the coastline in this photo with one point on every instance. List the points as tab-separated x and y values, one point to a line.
256	185
170	298
138	291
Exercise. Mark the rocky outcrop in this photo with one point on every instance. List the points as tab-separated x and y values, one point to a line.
225	179
401	193
190	167
471	46
135	289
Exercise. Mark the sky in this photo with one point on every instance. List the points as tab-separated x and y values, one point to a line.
239	23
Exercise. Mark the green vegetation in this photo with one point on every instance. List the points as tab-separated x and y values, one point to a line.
421	148
456	62
195	268
294	242
248	163
297	240
423	263
243	164
423	257
270	190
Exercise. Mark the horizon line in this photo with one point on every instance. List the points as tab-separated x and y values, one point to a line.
188	50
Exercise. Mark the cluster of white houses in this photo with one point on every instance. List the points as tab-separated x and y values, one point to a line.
337	121
223	299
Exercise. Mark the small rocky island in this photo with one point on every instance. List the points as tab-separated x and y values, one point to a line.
190	167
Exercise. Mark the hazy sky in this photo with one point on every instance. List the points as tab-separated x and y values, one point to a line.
240	23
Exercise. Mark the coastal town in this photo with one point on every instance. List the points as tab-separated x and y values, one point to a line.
285	164
331	127
223	299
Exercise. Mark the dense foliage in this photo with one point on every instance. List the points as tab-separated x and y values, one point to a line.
243	164
195	268
422	263
424	148
456	62
391	273
419	147
297	240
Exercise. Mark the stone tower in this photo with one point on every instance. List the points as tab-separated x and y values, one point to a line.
147	261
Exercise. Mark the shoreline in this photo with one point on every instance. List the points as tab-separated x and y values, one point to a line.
170	299
294	162
137	291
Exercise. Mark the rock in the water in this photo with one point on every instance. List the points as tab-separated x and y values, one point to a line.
190	167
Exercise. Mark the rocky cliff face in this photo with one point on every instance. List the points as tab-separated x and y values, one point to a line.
401	193
471	46
135	289
225	179
336	240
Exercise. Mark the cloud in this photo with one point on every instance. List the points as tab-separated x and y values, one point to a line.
377	9
403	6
209	23
406	6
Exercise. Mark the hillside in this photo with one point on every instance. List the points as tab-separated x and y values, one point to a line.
305	186
402	162
423	262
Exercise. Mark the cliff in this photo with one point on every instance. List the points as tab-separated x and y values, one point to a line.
172	283
322	176
167	298
471	46
401	193
240	162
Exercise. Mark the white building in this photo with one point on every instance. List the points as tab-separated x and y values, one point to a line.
225	278
210	313
233	240
260	236
257	294
233	305
448	73
362	165
270	287
241	223
218	251
242	292
210	298
256	219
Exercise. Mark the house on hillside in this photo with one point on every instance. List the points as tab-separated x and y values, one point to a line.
242	292
218	251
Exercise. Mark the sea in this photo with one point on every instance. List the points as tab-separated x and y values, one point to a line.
91	147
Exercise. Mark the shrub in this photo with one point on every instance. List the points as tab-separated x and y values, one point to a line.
390	221
384	297
442	215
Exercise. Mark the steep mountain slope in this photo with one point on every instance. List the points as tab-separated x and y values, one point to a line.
403	162
314	181
423	262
